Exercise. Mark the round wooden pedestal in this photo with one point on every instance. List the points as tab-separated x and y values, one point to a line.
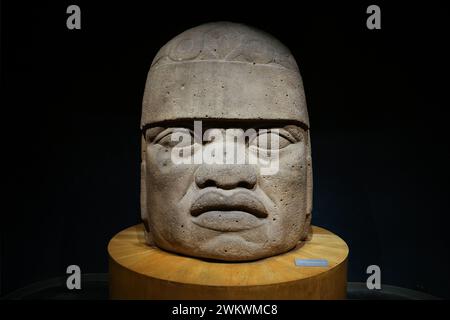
138	271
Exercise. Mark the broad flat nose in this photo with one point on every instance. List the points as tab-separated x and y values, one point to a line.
226	176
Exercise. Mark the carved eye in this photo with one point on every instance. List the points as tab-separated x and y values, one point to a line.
271	139
178	138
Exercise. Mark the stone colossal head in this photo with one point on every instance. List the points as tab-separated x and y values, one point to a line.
217	97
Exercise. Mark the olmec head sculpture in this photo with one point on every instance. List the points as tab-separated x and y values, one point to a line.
235	80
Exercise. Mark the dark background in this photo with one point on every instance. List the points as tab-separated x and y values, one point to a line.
378	104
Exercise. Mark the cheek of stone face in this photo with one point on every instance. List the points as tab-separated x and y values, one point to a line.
167	184
287	190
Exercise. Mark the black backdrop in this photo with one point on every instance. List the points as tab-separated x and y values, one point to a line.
377	99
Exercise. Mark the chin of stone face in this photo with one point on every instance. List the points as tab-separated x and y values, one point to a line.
226	167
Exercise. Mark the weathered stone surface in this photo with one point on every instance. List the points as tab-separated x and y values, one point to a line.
229	76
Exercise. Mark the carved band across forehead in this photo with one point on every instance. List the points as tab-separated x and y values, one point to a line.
225	41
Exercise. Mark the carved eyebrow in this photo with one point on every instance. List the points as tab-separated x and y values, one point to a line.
151	133
291	133
158	133
286	134
296	132
162	134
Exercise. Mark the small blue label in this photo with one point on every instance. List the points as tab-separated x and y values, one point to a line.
311	262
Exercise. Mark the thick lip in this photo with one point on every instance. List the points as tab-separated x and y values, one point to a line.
218	201
227	221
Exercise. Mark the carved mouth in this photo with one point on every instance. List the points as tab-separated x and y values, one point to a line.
214	201
219	212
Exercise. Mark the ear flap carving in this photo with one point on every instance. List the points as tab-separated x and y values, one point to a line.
307	231
144	208
309	177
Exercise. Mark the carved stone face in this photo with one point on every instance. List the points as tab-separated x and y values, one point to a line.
233	79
